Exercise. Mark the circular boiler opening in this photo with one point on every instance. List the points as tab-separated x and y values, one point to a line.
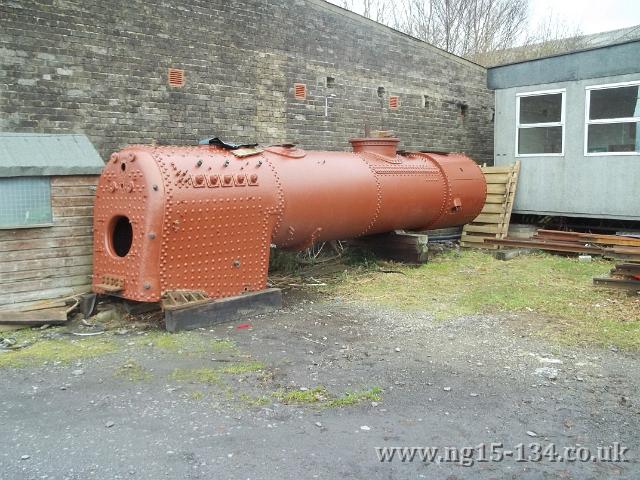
121	236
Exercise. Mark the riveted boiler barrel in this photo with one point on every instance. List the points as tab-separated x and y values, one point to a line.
203	218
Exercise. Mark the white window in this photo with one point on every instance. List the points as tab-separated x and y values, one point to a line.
612	118
26	202
540	123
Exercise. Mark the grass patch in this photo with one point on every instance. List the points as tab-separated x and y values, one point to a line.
251	401
473	282
63	351
242	367
198	375
315	395
196	395
321	397
133	372
353	398
185	342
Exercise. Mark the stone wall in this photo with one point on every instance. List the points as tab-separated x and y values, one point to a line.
100	67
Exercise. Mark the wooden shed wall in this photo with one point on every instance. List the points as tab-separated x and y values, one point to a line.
49	262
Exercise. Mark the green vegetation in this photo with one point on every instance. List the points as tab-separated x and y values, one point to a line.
547	287
196	395
198	375
353	398
49	350
314	395
133	372
320	396
242	367
251	401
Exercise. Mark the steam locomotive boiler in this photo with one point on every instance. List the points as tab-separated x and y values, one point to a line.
204	217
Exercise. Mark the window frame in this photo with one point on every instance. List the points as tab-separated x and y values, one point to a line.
561	123
4	227
605	121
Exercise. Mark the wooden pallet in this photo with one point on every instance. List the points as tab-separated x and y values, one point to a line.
176	299
493	221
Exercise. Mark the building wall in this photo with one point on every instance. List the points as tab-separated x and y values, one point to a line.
100	68
600	186
56	261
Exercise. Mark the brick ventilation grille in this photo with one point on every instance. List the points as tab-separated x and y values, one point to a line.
300	91
394	102
176	77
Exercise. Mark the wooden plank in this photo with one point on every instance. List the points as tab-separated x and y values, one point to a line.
496	188
73	221
40	243
493	208
48	232
21	275
488	218
76	191
18	255
47	263
482	228
47	283
24	298
51	316
74	180
472	238
496	198
511	189
82	201
71	212
58	282
501	178
493	170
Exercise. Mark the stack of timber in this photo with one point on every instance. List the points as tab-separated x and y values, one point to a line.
56	261
624	276
618	247
493	221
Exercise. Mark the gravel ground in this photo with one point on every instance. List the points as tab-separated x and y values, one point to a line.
456	383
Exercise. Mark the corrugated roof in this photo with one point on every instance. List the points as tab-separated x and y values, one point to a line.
35	154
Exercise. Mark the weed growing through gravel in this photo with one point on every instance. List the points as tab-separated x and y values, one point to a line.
558	289
133	371
353	398
197	395
321	396
50	350
314	395
198	375
242	367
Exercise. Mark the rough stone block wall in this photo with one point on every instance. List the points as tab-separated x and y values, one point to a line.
101	68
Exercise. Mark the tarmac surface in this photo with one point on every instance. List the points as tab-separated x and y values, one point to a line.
464	382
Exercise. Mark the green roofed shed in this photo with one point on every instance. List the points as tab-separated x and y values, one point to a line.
47	191
38	154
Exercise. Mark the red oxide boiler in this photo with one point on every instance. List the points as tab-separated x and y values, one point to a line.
203	217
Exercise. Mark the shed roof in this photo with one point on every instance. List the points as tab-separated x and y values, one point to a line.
606	61
39	154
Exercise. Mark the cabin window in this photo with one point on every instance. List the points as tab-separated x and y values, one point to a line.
540	123
612	119
26	202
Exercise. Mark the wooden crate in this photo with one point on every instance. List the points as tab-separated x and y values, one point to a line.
493	221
